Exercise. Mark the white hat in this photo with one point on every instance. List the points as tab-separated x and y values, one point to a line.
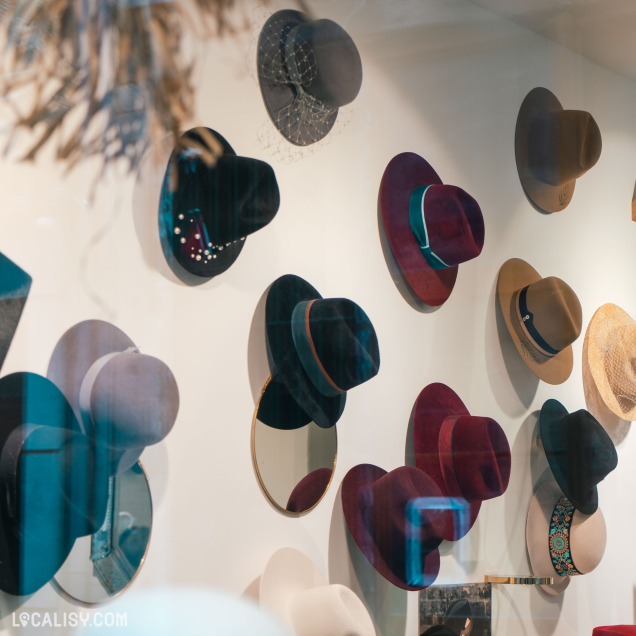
562	541
293	588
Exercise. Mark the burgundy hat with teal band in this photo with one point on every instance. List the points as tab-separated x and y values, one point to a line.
431	227
467	456
397	521
320	348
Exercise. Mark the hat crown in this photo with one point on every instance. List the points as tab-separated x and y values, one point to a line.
563	145
344	340
232	196
394	518
555	311
480	457
323	59
454	223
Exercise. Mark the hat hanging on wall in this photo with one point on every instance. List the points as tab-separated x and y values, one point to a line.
15	284
294	589
397	521
543	317
307	70
320	348
610	342
211	200
579	451
562	542
468	457
431	227
50	489
124	399
553	148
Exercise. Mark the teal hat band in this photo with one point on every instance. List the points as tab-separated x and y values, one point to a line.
559	538
418	225
306	350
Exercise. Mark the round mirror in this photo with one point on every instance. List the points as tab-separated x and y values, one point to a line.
294	466
102	565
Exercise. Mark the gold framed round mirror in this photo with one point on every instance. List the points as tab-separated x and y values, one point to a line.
294	467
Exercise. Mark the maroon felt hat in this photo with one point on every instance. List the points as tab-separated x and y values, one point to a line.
468	457
396	521
431	227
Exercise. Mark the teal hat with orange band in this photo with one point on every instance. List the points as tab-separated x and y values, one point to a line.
320	348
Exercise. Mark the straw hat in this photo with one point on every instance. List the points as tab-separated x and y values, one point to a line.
611	355
562	542
553	148
294	589
543	317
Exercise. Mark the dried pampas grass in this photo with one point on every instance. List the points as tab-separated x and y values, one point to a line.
104	77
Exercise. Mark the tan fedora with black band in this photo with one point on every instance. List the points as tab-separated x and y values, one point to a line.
543	316
610	354
553	148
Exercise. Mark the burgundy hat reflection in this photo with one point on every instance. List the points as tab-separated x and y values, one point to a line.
399	518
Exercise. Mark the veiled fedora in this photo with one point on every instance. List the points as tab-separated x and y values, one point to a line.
543	317
610	344
467	456
579	451
125	400
320	347
294	589
50	490
397	521
307	70
553	148
562	541
211	200
15	284
431	227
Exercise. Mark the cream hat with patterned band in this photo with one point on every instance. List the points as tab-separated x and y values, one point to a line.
562	542
293	588
610	345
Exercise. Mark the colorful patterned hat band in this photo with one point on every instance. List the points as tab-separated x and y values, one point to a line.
418	225
306	350
526	320
559	538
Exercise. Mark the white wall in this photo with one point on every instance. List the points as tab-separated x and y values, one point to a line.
442	78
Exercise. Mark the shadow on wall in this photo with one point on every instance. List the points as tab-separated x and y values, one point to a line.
513	384
348	566
258	366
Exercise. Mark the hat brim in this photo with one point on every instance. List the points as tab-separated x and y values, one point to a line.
284	294
190	270
357	480
537	533
434	404
77	350
547	197
403	174
288	114
554	440
288	572
515	274
596	342
30	399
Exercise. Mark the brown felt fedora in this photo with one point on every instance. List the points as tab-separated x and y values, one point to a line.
553	148
543	317
610	345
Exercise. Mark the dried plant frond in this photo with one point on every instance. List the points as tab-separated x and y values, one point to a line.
107	77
